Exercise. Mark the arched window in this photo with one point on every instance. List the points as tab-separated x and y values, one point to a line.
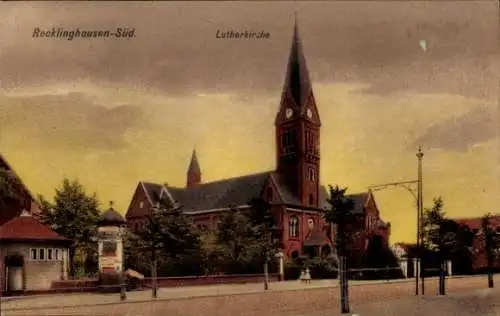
311	199
293	230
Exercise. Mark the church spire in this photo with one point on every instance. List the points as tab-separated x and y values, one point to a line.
194	171
297	82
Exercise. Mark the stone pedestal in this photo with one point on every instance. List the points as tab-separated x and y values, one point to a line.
449	267
281	266
416	264
403	263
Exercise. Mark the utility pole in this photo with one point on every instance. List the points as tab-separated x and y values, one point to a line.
420	237
408	186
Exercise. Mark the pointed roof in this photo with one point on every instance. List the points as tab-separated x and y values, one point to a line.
297	82
27	228
111	217
194	166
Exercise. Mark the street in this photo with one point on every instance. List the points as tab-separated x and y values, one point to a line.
284	298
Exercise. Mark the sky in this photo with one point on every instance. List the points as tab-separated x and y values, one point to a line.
111	112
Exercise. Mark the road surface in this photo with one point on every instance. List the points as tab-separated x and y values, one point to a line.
283	298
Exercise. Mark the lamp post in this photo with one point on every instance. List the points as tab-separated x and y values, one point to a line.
417	195
420	203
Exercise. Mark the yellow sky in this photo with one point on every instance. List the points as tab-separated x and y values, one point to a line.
359	148
114	113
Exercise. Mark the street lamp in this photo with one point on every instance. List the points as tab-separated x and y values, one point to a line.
417	195
420	237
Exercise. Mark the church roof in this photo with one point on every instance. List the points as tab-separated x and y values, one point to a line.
297	81
27	228
225	193
194	166
220	194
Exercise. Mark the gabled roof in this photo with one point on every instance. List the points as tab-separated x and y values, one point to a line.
27	228
222	194
360	200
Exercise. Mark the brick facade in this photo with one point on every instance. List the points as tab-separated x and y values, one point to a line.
293	189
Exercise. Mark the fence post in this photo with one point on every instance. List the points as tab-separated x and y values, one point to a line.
123	288
344	287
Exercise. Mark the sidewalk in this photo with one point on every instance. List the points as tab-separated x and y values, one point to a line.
174	293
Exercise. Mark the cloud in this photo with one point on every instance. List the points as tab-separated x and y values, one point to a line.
464	132
175	49
71	120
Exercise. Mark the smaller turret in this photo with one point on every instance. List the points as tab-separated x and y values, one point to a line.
194	171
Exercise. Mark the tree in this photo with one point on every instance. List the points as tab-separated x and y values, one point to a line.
441	237
74	215
491	240
341	215
265	228
181	242
169	242
237	238
378	256
151	242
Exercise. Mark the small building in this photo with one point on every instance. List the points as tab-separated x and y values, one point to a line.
32	255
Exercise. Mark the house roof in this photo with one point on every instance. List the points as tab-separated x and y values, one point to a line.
25	227
360	200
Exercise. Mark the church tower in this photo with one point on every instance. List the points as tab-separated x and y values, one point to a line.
194	172
298	129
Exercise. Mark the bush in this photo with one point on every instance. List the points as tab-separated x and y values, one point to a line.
292	271
110	282
323	268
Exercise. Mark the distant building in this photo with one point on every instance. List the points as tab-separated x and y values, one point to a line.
479	260
297	198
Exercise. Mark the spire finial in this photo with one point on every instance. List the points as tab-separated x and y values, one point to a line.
295	25
111	204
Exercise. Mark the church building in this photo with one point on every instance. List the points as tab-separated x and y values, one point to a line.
293	190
